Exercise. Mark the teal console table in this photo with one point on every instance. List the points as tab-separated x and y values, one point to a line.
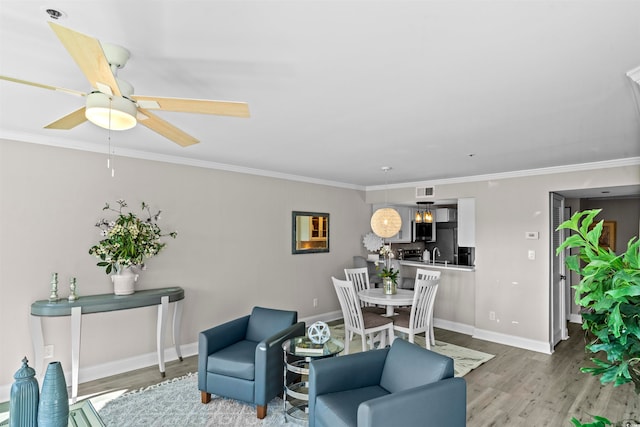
100	304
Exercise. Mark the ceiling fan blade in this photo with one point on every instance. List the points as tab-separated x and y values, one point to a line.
69	121
203	106
43	86
165	128
88	54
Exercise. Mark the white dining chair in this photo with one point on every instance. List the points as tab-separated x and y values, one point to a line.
420	317
423	274
366	324
360	279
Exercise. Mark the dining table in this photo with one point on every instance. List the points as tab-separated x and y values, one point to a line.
402	297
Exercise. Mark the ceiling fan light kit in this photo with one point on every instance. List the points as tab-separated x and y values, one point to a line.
111	104
115	113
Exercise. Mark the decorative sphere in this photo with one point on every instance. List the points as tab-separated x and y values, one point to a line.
386	222
319	333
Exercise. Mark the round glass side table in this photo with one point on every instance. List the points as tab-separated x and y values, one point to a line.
298	352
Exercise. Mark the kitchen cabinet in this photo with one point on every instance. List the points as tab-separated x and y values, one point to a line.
318	229
467	222
445	215
406	212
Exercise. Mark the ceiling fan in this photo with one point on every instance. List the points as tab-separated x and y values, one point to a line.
111	104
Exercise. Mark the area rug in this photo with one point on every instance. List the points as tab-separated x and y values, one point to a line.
177	402
464	359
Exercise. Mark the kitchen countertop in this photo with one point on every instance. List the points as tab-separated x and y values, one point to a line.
441	265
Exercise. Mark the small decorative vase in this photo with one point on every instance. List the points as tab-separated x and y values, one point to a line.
53	409
389	286
124	282
23	406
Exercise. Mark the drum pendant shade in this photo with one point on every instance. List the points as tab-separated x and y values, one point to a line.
386	222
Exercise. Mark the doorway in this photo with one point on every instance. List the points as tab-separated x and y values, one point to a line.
561	305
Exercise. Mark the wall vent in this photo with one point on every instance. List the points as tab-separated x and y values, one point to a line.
425	192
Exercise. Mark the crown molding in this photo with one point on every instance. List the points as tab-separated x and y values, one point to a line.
142	155
124	152
630	161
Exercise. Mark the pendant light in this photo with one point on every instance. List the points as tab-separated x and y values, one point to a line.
426	215
418	216
386	222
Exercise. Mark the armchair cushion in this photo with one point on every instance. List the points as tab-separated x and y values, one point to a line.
402	369
237	360
265	322
341	409
442	403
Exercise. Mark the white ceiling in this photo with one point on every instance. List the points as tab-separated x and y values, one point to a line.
337	89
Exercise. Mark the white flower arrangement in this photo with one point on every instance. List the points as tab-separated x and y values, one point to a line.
128	240
387	270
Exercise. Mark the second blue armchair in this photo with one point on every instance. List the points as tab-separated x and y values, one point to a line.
242	359
405	385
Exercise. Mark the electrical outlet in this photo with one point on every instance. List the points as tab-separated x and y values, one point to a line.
492	315
48	351
531	254
315	302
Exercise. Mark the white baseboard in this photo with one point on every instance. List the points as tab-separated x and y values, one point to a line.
499	338
95	372
324	317
513	341
453	326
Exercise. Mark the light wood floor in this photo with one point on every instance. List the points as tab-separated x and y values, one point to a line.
515	388
526	388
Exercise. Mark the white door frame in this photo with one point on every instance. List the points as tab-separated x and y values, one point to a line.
558	301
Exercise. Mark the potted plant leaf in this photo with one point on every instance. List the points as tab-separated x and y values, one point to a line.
609	291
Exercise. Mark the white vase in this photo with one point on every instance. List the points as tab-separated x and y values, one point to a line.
124	282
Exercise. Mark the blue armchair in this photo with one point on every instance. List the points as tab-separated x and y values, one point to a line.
405	385
243	360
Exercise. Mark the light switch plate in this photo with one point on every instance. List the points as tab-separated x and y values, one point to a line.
531	235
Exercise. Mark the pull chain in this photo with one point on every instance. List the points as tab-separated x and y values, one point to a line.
110	154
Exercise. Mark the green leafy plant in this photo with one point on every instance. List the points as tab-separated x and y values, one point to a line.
597	422
128	240
603	422
610	291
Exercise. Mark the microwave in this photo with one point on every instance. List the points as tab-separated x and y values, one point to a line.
423	232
